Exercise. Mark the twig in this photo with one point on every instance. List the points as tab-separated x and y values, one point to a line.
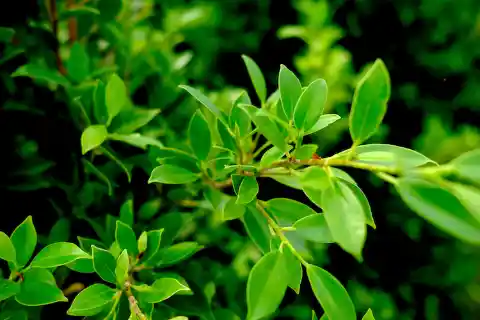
53	15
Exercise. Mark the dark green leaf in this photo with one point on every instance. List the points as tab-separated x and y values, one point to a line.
290	90
257	229
60	231
170	174
149	209
93	136
78	63
199	135
287	211
248	190
232	210
227	139
104	264
205	101
332	296
39	288
87	243
313	228
125	237
14	315
266	286
41	73
99	105
92	300
24	239
369	102
160	290
8	289
257	78
324	121
7	250
126	212
467	165
109	9
178	252
58	254
78	12
6	34
154	238
310	105
115	96
121	269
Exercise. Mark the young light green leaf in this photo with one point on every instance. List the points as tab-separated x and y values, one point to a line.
136	140
170	174
205	101
92	300
294	269
125	237
93	136
369	102
78	63
257	78
267	127
257	229
248	190
142	242
363	200
467	165
266	285
41	73
368	315
131	119
332	296
324	121
178	252
7	250
310	105
39	288
104	264
126	212
439	207
313	228
287	211
8	289
116	96
345	218
160	290
232	210
154	238
199	136
58	254
121	269
24	239
290	90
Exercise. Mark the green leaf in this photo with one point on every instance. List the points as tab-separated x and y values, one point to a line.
439	207
58	254
294	269
78	63
104	264
142	242
345	218
239	117
248	190
324	121
7	250
6	34
227	140
257	78
363	200
368	315
199	136
369	102
60	231
160	290
154	238
82	265
232	210
290	90
136	140
266	286
8	289
93	137
87	243
332	296
14	315
41	73
170	174
287	211
92	300
126	212
121	269
24	239
77	12
467	165
116	96
149	209
315	181
257	229
314	228
305	152
310	105
125	237
469	196
205	101
178	252
39	288
131	119
100	107
269	129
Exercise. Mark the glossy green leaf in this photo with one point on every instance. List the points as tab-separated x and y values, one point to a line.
290	90
345	218
126	212
294	269
257	229
142	242
41	73
287	211
467	165
39	288
324	121
257	78
8	289
170	174
136	140
82	265
369	102
116	96
368	315
205	101
271	155
60	231
131	119
58	254
78	63
266	285
469	196
314	181
104	264
125	237
122	267
332	296
92	300
177	253
231	210
313	228
199	136
154	238
239	117
24	239
87	243
305	152
439	207
364	201
227	140
310	105
93	136
267	127
248	190
160	290
7	250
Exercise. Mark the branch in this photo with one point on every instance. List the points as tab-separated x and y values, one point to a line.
53	15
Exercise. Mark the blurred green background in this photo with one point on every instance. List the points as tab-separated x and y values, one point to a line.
431	48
